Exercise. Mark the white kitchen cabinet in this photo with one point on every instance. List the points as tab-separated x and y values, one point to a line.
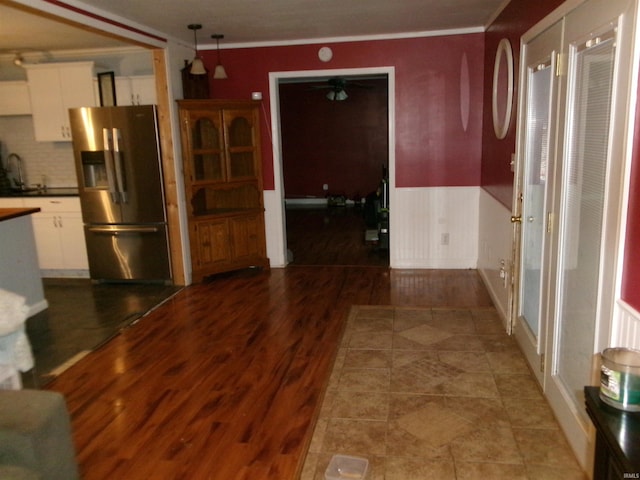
53	89
137	90
59	233
11	202
14	98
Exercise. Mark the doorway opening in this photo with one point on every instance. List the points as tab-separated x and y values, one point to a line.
334	162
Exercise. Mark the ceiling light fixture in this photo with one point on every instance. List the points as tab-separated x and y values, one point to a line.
219	73
337	95
197	67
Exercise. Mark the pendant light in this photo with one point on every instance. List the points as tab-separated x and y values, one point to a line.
219	73
197	67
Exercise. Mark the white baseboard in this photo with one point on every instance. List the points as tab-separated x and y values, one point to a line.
64	273
496	298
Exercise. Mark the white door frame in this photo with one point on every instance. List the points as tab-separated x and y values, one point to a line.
274	199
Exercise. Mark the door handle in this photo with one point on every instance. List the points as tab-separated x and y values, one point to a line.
108	163
119	167
516	218
118	229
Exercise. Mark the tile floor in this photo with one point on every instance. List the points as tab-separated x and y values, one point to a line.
436	394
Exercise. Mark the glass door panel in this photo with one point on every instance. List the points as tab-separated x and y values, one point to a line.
206	139
534	191
241	164
240	132
240	143
207	167
206	134
583	205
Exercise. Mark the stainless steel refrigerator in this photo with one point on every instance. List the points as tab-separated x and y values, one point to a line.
117	155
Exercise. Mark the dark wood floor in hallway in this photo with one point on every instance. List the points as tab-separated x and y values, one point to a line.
224	380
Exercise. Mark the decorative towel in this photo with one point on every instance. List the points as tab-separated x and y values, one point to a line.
15	349
13	311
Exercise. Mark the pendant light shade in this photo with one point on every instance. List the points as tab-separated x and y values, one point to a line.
219	73
197	67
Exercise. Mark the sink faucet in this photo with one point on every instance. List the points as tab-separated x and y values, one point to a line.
18	162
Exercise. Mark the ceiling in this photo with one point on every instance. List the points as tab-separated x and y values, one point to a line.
245	21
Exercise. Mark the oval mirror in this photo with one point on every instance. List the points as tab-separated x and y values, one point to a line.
465	91
502	88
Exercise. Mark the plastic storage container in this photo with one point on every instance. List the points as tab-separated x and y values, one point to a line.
344	467
620	378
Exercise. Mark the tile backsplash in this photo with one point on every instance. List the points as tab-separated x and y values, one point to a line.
51	161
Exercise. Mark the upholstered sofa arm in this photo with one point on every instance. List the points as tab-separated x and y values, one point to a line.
35	436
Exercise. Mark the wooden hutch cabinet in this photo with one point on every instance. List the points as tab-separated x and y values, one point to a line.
223	185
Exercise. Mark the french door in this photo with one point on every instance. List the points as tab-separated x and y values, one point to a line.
571	145
535	190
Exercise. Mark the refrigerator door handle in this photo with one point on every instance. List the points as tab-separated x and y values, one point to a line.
121	229
117	157
108	163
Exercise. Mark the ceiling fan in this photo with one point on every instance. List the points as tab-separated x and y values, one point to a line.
337	86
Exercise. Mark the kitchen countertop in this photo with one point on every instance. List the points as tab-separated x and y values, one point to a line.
9	213
49	192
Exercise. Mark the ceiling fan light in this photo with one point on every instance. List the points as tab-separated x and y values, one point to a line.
341	95
219	73
331	95
197	67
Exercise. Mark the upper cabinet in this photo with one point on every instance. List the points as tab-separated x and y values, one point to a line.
134	90
138	90
53	89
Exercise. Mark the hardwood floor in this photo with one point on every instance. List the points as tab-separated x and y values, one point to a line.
225	380
331	236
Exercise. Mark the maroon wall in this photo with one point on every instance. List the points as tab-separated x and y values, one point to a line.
343	144
518	17
432	149
631	268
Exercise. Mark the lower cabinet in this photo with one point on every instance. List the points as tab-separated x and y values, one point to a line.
59	234
220	244
617	449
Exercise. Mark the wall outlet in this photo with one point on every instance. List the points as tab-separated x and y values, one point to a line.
444	239
503	273
325	187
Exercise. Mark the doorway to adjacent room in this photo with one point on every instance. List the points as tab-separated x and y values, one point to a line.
303	194
334	138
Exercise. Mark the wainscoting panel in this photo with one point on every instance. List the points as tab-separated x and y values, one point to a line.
434	227
626	327
495	251
274	228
